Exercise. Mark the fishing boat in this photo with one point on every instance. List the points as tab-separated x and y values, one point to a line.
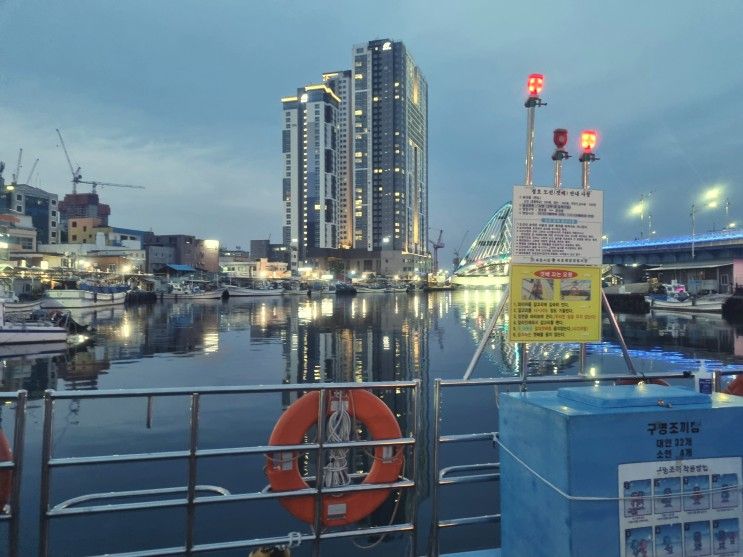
86	294
704	304
191	291
27	332
13	304
243	291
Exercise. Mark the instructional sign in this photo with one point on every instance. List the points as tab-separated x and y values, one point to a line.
680	508
560	226
555	303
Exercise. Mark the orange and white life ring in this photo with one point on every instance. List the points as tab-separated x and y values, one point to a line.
347	508
6	476
735	387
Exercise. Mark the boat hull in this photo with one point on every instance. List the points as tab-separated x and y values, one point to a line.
241	292
22	306
68	299
31	334
185	296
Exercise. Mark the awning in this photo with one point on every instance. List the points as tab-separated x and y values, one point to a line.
181	268
689	266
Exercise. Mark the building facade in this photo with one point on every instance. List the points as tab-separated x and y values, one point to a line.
38	204
310	184
341	82
390	149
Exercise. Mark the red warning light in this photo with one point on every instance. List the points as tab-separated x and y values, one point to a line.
588	140
560	137
535	84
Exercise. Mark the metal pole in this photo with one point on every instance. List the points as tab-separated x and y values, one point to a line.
46	455
530	114
414	468
693	227
319	465
15	494
192	471
434	545
558	174
582	358
618	331
489	328
585	173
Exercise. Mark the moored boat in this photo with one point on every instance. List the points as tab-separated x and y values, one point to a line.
241	291
27	332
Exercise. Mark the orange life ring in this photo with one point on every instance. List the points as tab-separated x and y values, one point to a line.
283	470
6	476
735	387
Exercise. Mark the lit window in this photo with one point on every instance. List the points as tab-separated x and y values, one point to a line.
358	112
359	76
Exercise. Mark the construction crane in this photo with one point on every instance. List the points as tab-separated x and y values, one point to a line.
18	167
77	177
457	259
31	174
437	245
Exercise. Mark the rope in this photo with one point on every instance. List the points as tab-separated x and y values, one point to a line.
496	439
335	472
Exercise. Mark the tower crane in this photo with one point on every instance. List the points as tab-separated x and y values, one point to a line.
77	177
437	245
18	167
457	259
31	174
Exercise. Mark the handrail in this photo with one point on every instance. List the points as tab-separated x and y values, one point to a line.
189	496
16	467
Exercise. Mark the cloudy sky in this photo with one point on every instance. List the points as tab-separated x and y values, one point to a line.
182	96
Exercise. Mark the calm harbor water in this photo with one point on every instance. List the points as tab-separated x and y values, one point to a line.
277	340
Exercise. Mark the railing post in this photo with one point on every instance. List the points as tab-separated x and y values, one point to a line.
434	545
46	480
319	466
15	493
417	434
192	471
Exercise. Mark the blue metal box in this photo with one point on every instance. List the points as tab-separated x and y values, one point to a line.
575	440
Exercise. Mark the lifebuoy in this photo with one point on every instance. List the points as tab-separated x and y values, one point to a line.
6	476
735	387
337	510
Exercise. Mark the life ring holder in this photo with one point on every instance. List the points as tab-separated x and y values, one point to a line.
283	472
6	476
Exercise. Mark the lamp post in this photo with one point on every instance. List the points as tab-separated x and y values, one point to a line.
588	140
693	226
535	83
560	138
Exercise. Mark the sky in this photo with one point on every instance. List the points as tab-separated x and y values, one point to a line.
182	97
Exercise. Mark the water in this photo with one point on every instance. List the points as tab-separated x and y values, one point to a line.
291	340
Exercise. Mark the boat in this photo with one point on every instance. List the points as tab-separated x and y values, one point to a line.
87	294
192	290
28	332
243	291
13	304
704	304
344	289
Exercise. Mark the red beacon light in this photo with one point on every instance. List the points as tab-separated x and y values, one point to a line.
535	84
588	140
560	138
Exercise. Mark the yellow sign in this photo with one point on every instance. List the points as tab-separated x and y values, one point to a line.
555	303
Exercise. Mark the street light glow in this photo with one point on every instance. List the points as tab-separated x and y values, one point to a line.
712	194
637	209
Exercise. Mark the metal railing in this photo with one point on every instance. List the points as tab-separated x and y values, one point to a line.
191	496
490	471
12	513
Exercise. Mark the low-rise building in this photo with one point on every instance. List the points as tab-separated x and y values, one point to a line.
36	203
17	233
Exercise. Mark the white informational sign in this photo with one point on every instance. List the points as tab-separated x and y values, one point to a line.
681	508
557	225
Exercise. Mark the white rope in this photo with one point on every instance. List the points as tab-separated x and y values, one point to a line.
496	439
335	472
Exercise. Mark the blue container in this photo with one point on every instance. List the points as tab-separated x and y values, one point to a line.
576	438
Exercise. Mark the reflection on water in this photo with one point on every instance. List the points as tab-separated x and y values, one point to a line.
382	337
376	337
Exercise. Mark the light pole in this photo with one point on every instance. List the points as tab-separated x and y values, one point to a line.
693	226
587	143
534	85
